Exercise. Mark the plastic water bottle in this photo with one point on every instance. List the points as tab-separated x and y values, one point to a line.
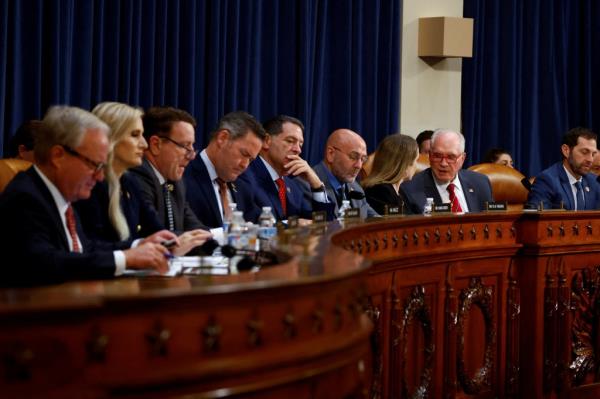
267	229
227	220
428	207
236	230
342	211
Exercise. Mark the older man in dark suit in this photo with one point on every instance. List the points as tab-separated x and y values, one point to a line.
41	239
445	181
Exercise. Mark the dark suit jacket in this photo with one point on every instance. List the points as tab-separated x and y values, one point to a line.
33	241
552	186
380	195
141	217
152	193
476	187
362	204
203	200
299	200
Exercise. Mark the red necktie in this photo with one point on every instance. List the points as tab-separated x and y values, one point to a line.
72	227
454	199
281	189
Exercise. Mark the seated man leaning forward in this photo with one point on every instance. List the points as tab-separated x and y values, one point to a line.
345	154
445	181
569	182
41	238
213	179
285	181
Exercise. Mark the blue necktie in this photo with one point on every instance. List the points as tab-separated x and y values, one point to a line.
580	197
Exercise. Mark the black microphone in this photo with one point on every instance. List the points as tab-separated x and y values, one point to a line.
355	195
206	249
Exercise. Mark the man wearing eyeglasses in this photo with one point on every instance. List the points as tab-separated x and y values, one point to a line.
213	179
345	154
445	181
170	135
41	240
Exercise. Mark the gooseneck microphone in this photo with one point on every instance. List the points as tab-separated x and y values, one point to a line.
355	195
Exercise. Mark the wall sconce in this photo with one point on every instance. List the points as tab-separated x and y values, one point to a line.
445	37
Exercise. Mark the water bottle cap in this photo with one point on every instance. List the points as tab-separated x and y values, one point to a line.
266	209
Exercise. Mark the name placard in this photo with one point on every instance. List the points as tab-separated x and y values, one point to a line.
392	210
319	217
442	208
496	206
353	213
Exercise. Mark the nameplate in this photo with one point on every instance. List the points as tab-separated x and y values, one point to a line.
319	216
442	208
496	206
392	210
353	213
292	222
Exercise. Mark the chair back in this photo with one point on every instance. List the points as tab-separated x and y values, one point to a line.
506	184
422	162
9	167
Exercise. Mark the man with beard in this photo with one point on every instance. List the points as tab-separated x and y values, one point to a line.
445	181
170	135
568	182
345	154
213	179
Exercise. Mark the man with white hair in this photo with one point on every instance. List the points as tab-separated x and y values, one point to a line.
41	240
445	181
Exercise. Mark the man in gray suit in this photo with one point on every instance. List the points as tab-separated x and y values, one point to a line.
345	154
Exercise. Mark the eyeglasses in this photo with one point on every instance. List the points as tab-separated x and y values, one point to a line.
450	158
189	152
354	156
97	167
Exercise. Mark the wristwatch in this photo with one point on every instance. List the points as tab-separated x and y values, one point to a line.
319	189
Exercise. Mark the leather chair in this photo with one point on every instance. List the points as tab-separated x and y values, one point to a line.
506	183
9	167
422	162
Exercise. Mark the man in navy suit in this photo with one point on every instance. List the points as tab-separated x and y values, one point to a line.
345	154
445	181
213	179
285	181
569	182
41	239
170	135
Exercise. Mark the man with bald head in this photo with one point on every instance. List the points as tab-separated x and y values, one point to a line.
345	154
41	240
445	181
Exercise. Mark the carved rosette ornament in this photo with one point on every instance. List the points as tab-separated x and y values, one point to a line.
481	296
416	308
585	312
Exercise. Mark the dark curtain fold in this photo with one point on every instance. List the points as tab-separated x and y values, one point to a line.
331	63
534	70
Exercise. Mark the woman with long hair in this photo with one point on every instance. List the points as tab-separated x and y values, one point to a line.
116	211
395	161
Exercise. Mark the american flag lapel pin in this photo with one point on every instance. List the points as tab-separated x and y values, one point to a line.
471	190
587	189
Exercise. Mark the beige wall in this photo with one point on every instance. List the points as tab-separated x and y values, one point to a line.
430	96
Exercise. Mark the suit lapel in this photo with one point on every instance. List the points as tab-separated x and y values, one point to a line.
207	190
469	193
566	187
263	178
430	188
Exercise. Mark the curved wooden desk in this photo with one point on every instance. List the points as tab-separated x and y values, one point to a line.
486	305
295	330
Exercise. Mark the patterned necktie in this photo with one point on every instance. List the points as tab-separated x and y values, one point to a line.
454	199
224	198
341	194
72	227
281	191
167	189
580	198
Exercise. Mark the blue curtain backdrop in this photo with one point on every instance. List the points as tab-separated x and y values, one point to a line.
331	63
533	75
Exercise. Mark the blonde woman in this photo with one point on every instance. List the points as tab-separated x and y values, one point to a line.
395	161
116	210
